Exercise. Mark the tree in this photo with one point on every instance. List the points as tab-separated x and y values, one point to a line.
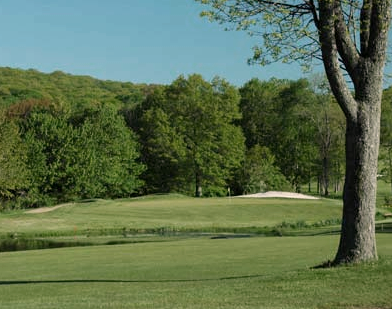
187	134
350	37
13	173
88	154
161	146
275	115
329	124
204	113
386	137
295	134
105	163
258	107
259	172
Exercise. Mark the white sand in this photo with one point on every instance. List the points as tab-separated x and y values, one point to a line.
281	194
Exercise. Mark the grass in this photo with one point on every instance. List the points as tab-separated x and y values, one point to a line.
196	273
178	213
156	271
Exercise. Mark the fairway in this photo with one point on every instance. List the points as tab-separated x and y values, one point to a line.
188	270
198	273
179	212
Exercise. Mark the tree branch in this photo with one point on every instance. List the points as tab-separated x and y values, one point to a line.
345	45
329	50
380	19
303	6
366	13
313	9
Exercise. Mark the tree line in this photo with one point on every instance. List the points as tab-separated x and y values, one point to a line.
65	137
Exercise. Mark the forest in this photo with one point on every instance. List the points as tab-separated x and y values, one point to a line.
69	138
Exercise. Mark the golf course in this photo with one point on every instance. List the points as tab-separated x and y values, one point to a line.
172	251
201	154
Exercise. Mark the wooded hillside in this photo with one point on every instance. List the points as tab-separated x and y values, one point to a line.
66	137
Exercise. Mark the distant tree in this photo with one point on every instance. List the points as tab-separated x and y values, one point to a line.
349	37
48	138
13	173
276	115
204	113
161	147
92	154
106	161
189	140
259	172
66	91
295	149
329	124
386	137
258	106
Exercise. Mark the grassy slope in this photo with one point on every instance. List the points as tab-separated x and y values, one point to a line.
179	212
199	273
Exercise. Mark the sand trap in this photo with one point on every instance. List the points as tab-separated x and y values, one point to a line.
281	195
45	209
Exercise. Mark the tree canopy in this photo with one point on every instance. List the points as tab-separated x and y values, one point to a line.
189	136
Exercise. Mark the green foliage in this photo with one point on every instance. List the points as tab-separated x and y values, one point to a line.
189	132
296	151
66	91
330	125
259	172
89	154
278	115
286	28
385	165
258	106
63	138
106	160
162	148
188	136
13	174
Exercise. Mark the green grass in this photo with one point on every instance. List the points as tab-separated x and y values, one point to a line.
178	213
185	271
255	272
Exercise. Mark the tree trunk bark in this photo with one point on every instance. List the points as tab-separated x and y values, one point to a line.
198	188
365	69
357	242
326	176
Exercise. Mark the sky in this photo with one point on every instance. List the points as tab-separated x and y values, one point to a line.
139	41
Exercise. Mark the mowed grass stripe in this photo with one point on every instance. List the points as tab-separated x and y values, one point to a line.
199	273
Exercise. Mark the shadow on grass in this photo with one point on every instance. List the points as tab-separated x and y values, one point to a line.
17	282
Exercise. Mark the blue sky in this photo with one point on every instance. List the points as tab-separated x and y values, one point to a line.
141	41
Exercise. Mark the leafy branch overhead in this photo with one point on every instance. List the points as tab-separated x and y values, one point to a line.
290	29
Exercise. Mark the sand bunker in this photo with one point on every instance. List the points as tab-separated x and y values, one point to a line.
45	209
281	194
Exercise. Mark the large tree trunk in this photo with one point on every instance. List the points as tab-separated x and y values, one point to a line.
362	111
357	242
